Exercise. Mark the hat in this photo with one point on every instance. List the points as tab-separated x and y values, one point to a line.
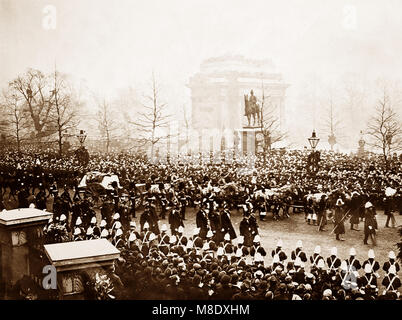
152	236
209	234
119	232
368	205
391	255
63	217
31	206
78	221
132	237
392	269
104	233
220	251
352	251
117	225
370	254
279	243
344	266
327	293
257	238
367	268
258	257
227	237
90	231
321	264
77	231
317	250
334	251
172	240
146	225
164	227
180	230
339	202
103	223
189	244
299	244
389	192
116	216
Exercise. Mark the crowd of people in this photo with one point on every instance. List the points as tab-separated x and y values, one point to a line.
217	262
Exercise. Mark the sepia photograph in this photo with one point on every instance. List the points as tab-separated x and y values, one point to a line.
211	151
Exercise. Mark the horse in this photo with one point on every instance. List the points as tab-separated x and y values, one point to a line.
251	110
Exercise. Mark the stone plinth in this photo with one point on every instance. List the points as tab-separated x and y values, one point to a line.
21	244
78	261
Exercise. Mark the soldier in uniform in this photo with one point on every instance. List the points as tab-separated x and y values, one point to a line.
298	252
391	281
352	263
391	262
77	236
257	248
375	266
316	257
164	240
278	251
333	261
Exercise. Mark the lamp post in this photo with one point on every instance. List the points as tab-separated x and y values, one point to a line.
81	137
313	157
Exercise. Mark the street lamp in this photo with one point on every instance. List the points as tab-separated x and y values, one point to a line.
313	158
81	137
313	140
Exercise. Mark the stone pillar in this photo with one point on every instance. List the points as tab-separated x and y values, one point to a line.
21	246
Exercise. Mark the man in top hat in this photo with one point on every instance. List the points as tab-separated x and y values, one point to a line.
175	220
202	220
339	217
226	222
370	223
333	261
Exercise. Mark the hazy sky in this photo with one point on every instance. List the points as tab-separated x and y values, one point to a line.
116	44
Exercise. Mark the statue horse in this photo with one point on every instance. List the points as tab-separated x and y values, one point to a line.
251	110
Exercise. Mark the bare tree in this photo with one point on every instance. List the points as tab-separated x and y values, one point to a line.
153	119
15	119
269	124
106	123
384	127
331	123
33	88
63	115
